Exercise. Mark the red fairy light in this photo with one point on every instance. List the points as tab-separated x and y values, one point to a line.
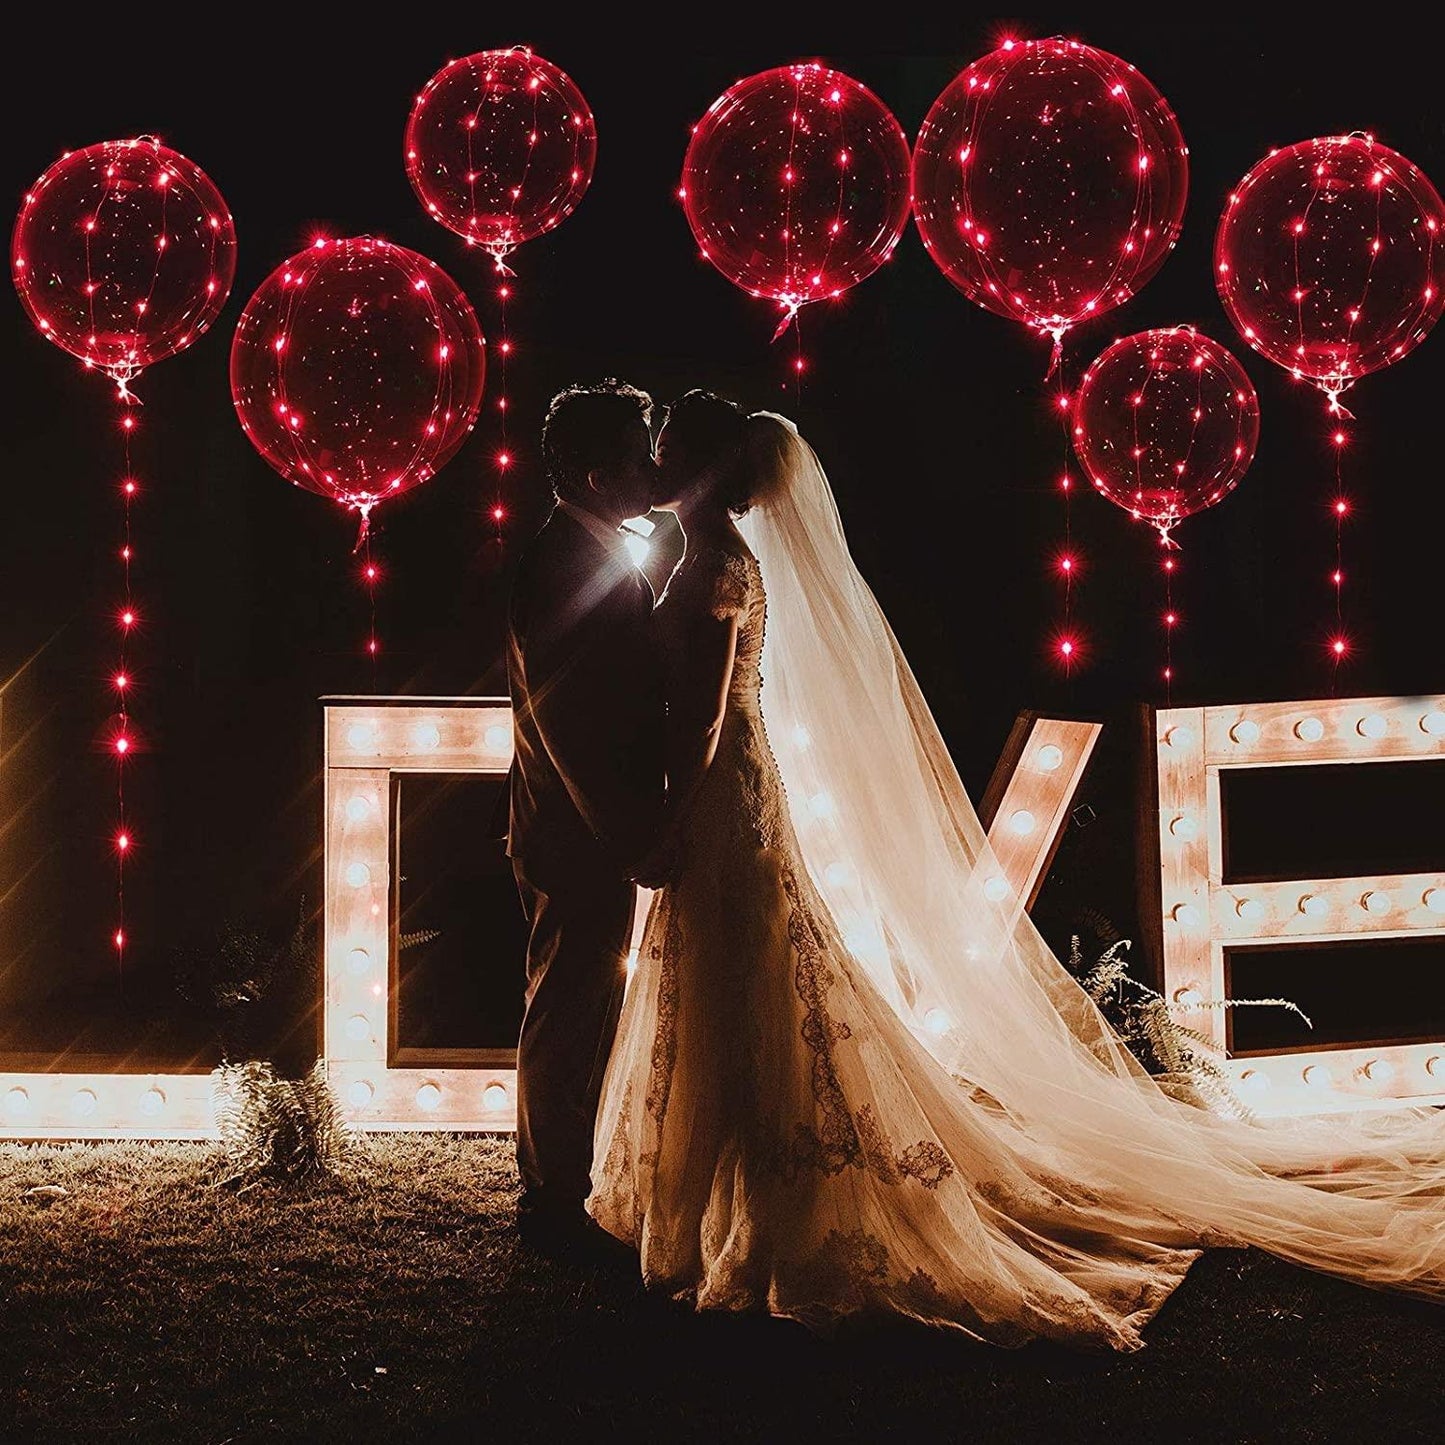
1049	181
795	185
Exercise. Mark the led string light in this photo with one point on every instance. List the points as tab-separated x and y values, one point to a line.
357	372
500	147
1067	642
1326	259
123	254
795	187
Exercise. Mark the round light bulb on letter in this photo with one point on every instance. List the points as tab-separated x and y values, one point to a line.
996	890
1314	905
84	1103
1185	914
1317	1076
1022	822
358	875
1253	1082
1372	725
1245	731
937	1022
495	1098
1433	722
360	1094
821	805
1050	758
17	1102
426	735
1434	900
835	875
1250	909
358	1027
1188	996
1184	827
1435	1066
358	808
1309	729
1379	1071
152	1102
358	961
497	738
428	1097
361	735
1179	736
1376	901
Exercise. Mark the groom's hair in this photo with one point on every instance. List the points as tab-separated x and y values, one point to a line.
588	427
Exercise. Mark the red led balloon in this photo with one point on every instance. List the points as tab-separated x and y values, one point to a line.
1327	259
123	253
356	370
795	184
1049	181
500	147
1165	424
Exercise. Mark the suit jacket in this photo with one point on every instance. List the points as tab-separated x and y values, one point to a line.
587	777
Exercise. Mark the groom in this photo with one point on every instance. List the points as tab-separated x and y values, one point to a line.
586	790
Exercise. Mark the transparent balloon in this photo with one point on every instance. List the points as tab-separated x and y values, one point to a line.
795	184
1049	180
1327	259
357	370
1165	424
500	148
123	253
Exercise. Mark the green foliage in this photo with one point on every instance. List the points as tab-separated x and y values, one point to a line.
278	1128
1183	1060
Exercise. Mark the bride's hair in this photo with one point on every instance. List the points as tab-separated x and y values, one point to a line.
763	468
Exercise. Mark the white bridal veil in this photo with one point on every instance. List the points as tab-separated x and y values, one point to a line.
897	851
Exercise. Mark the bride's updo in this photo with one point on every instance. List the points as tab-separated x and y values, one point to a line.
736	459
763	464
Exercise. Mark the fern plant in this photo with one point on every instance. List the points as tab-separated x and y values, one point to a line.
1181	1058
278	1128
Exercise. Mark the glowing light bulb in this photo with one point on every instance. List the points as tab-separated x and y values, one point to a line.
1435	1065
358	1028
426	735
1376	901
1049	758
1309	729
835	875
1252	1081
1185	914
1245	731
1433	722
1317	1076
358	875
820	805
358	808
1179	736
1372	725
359	1094
1379	1071
937	1022
359	961
1184	827
1188	996
1250	909
83	1103
428	1097
361	735
152	1102
17	1103
1434	900
495	1098
1314	905
638	549
1022	822
996	889
498	738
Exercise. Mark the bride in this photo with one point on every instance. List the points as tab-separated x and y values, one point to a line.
848	1079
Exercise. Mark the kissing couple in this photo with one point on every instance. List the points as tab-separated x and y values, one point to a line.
847	1077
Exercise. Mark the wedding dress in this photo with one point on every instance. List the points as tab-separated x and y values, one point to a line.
849	1078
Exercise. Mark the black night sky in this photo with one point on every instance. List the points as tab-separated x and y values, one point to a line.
931	415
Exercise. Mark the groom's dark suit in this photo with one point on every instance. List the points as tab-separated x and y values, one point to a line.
586	792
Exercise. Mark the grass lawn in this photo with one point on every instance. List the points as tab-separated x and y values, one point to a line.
151	1302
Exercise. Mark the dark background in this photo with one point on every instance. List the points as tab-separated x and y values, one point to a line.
931	415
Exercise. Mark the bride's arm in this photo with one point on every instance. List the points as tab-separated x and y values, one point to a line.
702	668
